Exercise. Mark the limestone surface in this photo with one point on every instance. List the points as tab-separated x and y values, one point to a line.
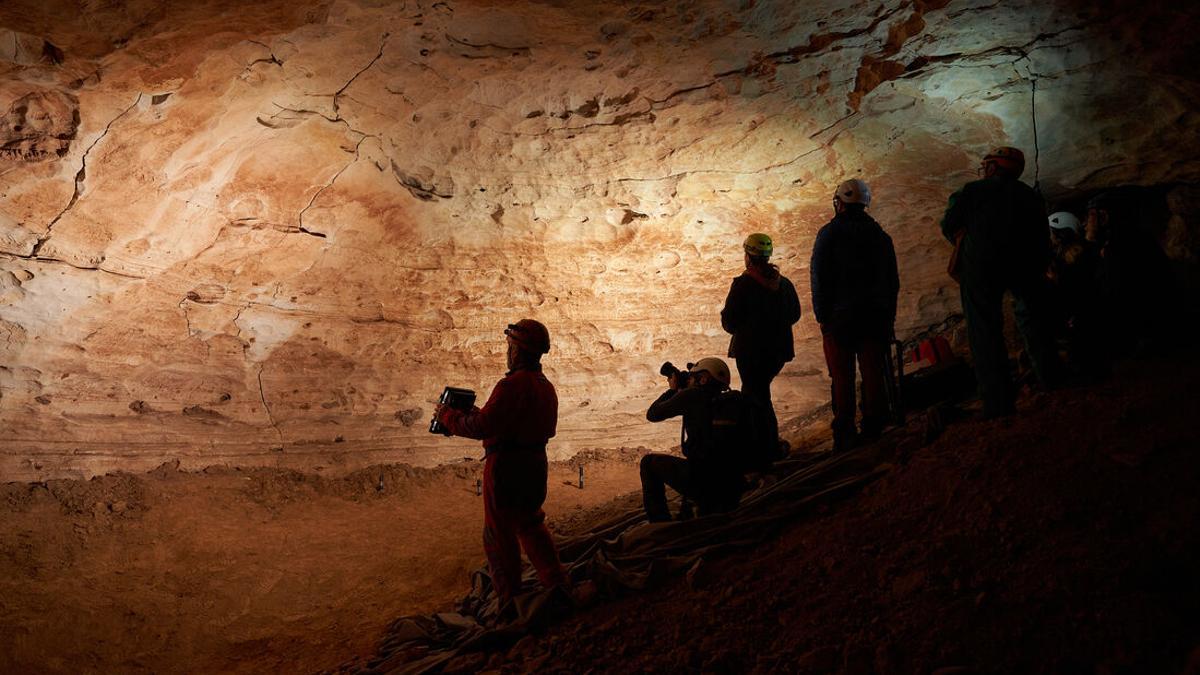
270	233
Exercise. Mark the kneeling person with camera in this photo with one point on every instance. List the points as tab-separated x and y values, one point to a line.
714	420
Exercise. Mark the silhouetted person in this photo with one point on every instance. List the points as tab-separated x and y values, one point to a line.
1004	248
709	473
855	285
1068	256
759	313
1072	274
1134	277
516	422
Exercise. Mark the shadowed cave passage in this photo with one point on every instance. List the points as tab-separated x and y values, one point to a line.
252	243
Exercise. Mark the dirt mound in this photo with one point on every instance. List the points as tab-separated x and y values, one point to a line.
120	495
277	486
1062	540
272	487
607	455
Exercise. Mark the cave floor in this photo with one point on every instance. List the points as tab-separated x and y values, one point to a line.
253	570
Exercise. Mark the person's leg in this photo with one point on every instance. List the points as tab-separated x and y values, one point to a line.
526	473
657	472
770	372
839	358
539	546
1034	318
755	384
872	363
989	355
500	542
654	488
757	375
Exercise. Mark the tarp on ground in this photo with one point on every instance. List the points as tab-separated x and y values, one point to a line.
626	553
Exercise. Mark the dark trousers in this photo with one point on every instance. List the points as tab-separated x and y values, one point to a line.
715	490
514	489
659	471
983	306
840	354
757	375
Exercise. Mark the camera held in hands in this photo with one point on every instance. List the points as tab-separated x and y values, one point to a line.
682	377
459	399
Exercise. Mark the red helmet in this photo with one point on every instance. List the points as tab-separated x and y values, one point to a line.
530	335
1011	160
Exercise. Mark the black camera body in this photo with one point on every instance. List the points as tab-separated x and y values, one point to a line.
459	399
682	377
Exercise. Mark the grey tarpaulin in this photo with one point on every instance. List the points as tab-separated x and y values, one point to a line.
624	553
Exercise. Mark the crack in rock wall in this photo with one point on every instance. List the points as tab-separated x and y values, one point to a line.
271	234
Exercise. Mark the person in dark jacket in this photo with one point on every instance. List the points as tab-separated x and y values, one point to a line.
1073	276
518	419
1133	276
1069	257
1003	248
855	284
706	474
759	313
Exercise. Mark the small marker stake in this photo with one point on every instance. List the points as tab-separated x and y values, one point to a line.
580	476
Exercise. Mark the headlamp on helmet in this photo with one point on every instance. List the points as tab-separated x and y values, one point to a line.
530	335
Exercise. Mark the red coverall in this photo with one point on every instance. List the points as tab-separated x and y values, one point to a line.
514	425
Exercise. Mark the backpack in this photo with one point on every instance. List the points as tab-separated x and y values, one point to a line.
738	433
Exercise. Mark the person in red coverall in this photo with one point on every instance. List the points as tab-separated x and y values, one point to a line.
516	422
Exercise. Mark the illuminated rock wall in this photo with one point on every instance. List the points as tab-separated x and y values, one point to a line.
270	235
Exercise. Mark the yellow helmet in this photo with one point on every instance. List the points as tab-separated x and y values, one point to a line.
758	245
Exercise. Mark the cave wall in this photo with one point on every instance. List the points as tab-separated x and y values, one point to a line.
271	234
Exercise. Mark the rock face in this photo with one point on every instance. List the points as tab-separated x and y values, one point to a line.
270	235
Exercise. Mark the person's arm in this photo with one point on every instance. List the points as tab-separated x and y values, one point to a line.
731	314
791	308
480	423
820	276
672	403
1039	234
954	220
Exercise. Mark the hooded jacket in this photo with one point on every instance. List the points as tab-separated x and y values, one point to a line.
759	313
855	282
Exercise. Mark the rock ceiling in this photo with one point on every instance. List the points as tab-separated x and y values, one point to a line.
270	233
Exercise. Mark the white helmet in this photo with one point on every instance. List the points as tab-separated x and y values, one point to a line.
854	191
1064	220
714	367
